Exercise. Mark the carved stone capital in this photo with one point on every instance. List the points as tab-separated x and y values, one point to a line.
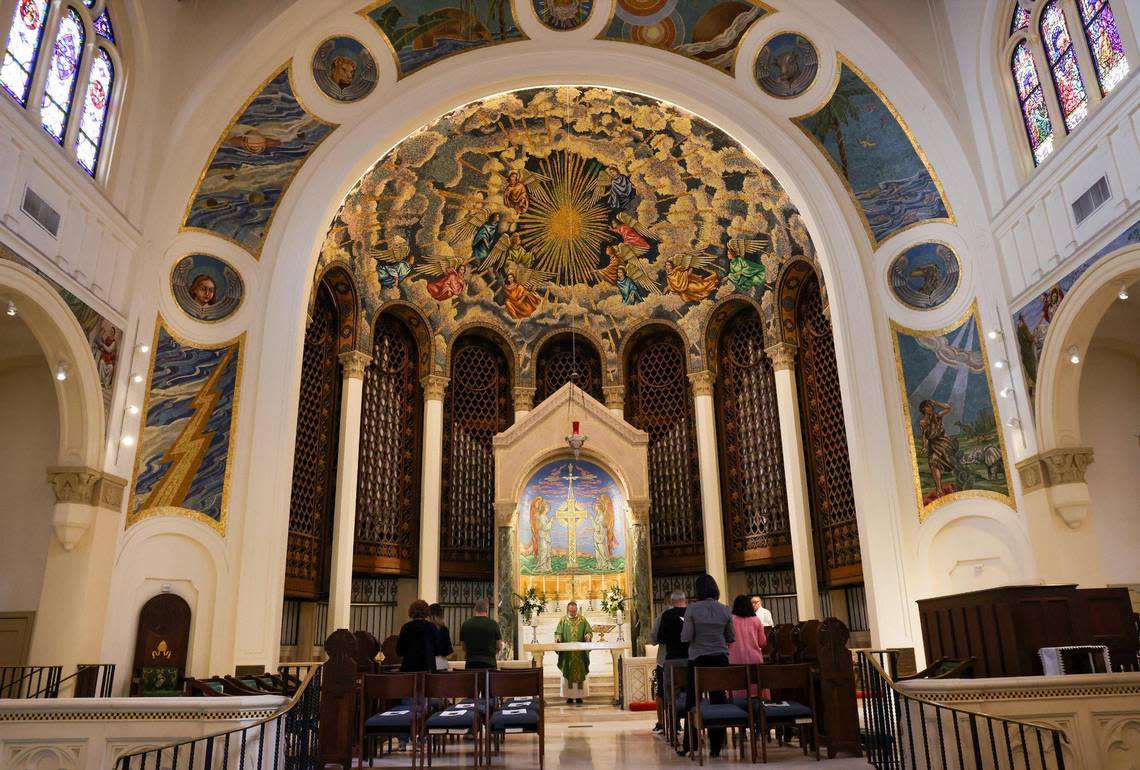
702	382
524	398
615	397
354	363
639	511
435	385
782	355
73	485
109	492
1032	473
1066	465
505	513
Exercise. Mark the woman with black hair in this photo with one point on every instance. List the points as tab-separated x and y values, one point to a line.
443	647
708	631
418	640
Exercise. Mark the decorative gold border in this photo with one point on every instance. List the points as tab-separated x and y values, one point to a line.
760	50
590	15
925	511
177	304
768	10
400	74
333	99
220	525
843	60
255	253
943	303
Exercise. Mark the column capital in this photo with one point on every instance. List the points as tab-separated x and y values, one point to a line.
1063	465
782	355
73	484
615	397
639	510
354	363
505	513
524	398
434	386
702	382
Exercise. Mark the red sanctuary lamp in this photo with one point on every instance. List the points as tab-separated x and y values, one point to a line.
575	440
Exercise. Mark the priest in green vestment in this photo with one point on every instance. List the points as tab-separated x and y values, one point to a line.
573	665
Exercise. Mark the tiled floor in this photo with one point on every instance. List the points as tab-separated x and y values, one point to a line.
596	736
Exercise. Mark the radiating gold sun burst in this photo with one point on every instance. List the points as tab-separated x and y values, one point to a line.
566	223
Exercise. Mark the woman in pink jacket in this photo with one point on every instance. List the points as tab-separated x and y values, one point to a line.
750	636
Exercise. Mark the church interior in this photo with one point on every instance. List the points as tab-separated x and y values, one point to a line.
379	380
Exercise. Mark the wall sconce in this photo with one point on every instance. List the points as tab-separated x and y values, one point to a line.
1123	295
144	348
127	440
1074	355
1007	391
11	311
61	371
136	377
993	334
1000	363
1013	422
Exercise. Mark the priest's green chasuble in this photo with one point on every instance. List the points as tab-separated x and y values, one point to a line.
573	665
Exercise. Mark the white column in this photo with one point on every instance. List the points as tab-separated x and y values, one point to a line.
783	356
710	477
615	399
524	401
348	463
434	387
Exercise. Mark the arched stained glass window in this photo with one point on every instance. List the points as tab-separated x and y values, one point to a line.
23	48
94	116
1063	64
1031	98
1104	43
1020	20
59	90
103	26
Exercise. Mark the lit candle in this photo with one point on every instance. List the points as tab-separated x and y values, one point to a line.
575	427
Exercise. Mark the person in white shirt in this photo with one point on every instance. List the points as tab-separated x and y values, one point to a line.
762	612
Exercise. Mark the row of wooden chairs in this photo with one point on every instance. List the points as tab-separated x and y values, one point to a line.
254	684
426	710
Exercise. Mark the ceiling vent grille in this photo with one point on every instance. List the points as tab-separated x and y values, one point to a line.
1091	200
40	211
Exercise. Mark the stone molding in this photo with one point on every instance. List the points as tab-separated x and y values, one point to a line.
109	491
505	513
524	398
354	363
639	510
435	385
615	397
74	484
782	355
702	382
1053	467
556	402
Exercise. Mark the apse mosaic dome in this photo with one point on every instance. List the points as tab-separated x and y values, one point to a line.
549	208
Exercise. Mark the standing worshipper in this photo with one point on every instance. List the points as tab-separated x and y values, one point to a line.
708	630
666	634
762	612
748	646
482	640
573	665
418	639
443	646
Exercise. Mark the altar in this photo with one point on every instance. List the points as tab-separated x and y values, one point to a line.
538	652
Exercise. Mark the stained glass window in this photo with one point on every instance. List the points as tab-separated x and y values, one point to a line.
1063	63
59	89
1032	101
1104	43
23	48
1020	19
103	26
94	115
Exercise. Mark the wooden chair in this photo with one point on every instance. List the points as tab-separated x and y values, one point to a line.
676	674
388	651
461	715
204	687
391	706
367	648
706	714
792	704
784	648
506	716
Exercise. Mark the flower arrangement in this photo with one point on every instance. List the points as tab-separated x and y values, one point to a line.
613	600
531	605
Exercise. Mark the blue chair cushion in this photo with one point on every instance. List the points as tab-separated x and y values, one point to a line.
452	721
395	720
722	714
787	711
740	701
682	703
514	720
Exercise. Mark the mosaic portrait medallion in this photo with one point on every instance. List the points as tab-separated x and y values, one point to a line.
206	287
344	69
925	275
787	65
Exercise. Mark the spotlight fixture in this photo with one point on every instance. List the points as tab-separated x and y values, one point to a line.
1000	363
1123	295
1013	422
127	440
993	334
136	377
1007	391
133	409
144	348
1074	355
11	311
61	371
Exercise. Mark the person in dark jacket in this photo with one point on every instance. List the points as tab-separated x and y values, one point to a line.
666	634
708	631
418	643
443	646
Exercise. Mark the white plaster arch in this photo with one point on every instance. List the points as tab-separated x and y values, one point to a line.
979	525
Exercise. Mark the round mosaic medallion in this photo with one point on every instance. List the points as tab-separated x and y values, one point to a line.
206	288
563	15
344	69
925	275
787	65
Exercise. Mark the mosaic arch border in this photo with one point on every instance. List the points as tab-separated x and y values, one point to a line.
924	512
899	300
842	60
276	72
218	526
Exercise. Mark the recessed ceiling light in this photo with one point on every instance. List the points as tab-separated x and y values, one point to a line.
1074	354
1123	293
61	371
11	311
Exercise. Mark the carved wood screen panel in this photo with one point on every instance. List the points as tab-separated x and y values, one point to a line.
559	359
659	400
753	496
477	406
834	524
314	456
388	490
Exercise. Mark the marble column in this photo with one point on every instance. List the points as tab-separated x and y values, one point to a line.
353	364
783	356
506	538
524	401
615	399
641	584
715	563
435	386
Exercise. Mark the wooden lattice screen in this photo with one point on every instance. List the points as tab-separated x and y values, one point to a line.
834	525
388	489
314	456
558	359
477	406
659	400
753	496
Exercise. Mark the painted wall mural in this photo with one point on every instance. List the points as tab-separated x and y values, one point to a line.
207	288
104	337
1031	321
344	69
786	65
421	32
925	275
182	467
253	164
708	31
876	156
549	207
563	15
956	442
